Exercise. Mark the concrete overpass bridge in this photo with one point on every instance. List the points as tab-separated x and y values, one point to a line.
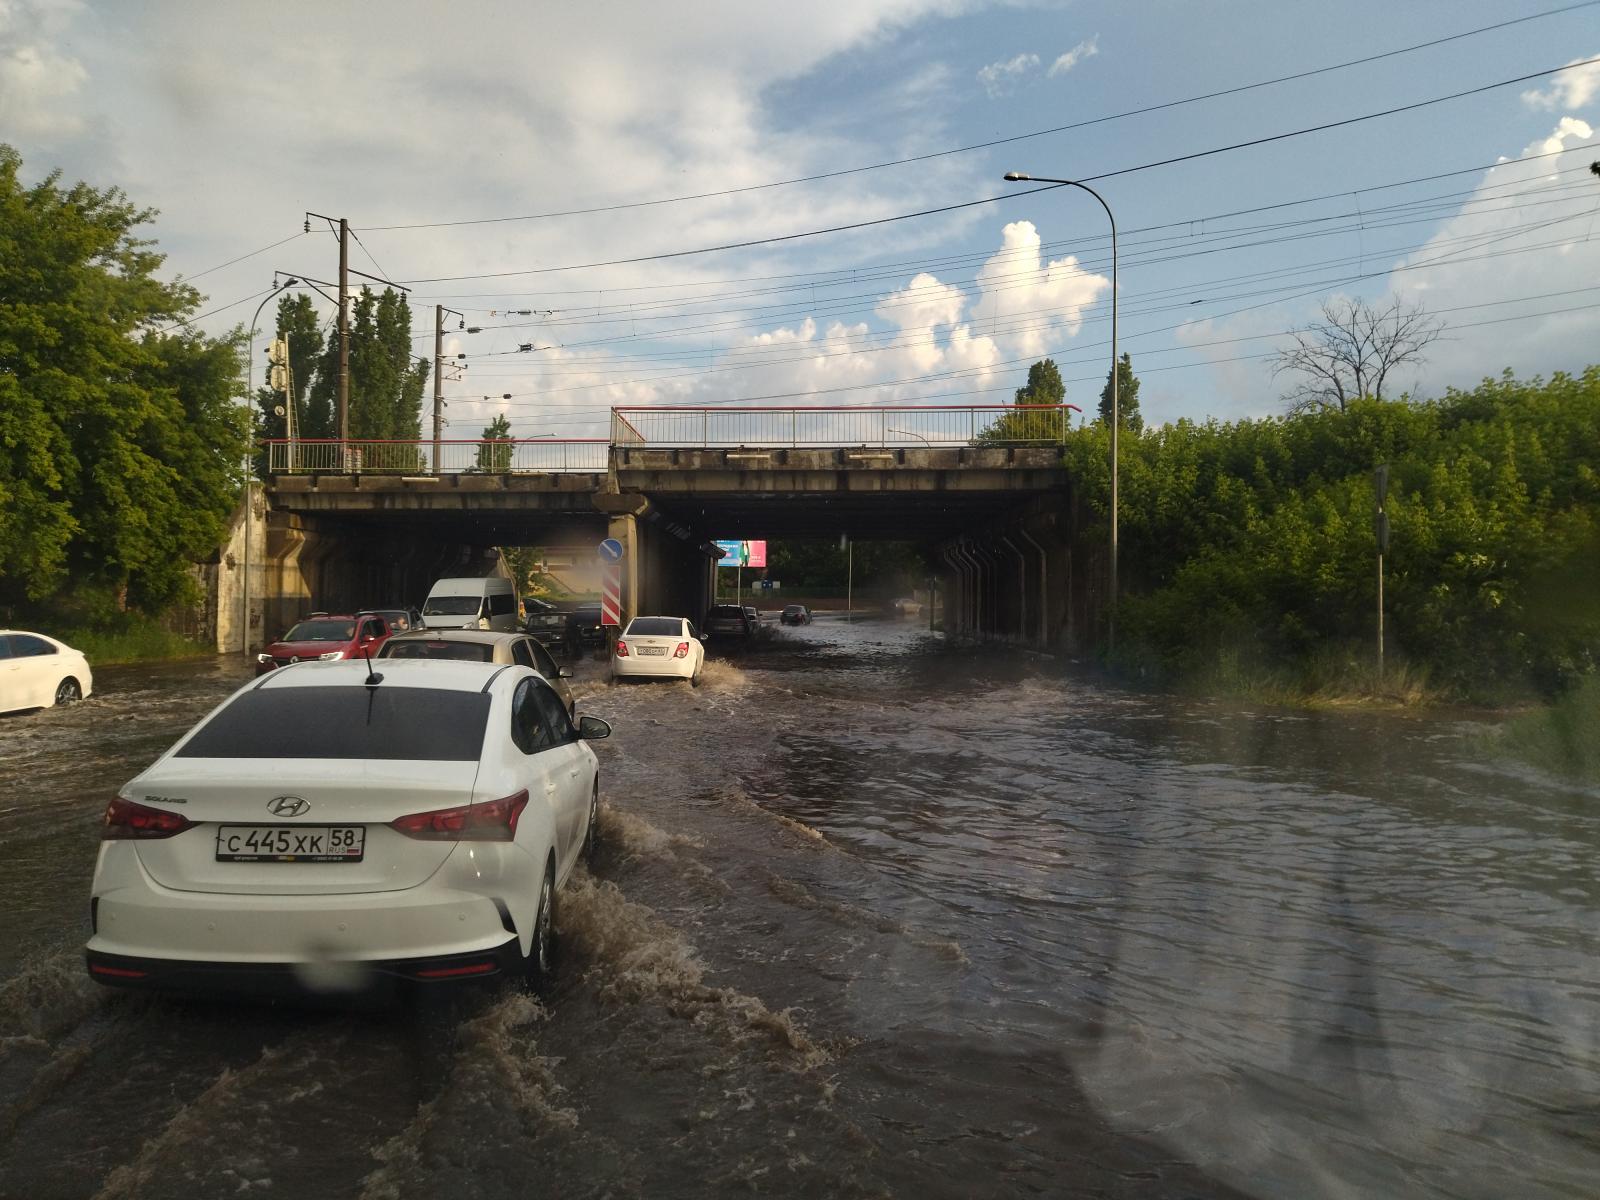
982	489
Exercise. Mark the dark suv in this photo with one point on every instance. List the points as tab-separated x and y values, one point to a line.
727	620
584	628
548	627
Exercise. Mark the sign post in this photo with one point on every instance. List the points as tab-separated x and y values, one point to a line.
1380	527
611	590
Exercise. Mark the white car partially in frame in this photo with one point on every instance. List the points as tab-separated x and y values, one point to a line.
39	672
335	827
659	648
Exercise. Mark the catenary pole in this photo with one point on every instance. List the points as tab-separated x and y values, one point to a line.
438	382
344	333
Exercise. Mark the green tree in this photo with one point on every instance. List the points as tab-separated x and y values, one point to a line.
1128	417
1251	543
496	459
121	438
386	381
1044	384
299	325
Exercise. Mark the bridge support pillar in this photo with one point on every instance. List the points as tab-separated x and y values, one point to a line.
1013	581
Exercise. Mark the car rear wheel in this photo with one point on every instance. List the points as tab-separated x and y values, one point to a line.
539	967
68	691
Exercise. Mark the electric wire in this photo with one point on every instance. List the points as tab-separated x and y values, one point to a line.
990	144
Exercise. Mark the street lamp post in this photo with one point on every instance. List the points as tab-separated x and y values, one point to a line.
249	399
1020	177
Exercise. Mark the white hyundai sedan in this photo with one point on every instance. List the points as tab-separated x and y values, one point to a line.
659	648
332	826
37	672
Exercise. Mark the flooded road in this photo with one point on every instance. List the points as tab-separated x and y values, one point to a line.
876	917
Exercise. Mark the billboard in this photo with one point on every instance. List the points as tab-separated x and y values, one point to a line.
743	554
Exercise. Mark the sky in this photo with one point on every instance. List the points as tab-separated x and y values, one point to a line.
491	156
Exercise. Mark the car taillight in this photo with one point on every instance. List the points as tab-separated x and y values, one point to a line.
491	821
622	648
682	651
125	819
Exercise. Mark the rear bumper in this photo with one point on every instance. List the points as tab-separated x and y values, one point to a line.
315	935
635	667
202	976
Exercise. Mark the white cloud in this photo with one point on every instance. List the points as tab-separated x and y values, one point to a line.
1084	49
1572	89
1498	248
999	78
38	83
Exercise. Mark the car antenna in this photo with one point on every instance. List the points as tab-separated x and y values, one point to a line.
373	678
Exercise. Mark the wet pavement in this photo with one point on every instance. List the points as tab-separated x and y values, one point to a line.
874	916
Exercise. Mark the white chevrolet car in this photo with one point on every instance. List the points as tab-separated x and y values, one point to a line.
38	672
659	648
333	826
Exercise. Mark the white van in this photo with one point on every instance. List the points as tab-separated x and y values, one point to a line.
477	603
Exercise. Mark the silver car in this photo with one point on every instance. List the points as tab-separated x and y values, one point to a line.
483	645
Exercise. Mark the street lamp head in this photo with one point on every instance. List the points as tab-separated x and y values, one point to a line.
1017	177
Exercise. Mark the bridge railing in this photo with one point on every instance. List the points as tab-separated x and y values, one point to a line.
907	426
453	456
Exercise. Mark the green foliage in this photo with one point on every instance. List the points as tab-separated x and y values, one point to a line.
386	380
299	324
497	458
1128	417
131	640
1044	384
1254	540
121	442
1564	738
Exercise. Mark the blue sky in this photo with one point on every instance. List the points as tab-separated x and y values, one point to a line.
233	122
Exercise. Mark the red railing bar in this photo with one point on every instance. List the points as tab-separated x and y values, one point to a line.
854	408
429	441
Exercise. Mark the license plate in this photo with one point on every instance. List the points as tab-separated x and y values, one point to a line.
658	651
291	843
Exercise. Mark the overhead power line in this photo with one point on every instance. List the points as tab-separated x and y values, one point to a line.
1012	139
879	221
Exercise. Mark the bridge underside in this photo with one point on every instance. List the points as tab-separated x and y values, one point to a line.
994	522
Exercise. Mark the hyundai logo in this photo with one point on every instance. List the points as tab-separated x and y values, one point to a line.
287	806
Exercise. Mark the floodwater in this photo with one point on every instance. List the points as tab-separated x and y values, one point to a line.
876	917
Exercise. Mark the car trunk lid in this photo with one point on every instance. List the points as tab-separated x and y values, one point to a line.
334	793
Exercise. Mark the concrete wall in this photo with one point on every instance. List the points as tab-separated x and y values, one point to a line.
240	564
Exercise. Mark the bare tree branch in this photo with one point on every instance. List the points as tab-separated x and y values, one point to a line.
1352	351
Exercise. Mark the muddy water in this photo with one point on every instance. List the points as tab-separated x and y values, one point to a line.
874	917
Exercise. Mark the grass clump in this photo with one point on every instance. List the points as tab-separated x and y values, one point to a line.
1564	738
136	641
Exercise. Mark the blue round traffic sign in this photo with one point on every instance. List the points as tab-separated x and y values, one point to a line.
611	550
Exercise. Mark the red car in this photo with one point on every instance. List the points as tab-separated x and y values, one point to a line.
326	637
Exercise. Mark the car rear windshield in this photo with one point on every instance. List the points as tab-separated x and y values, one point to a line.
792	609
460	651
727	610
321	631
451	606
655	627
346	722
